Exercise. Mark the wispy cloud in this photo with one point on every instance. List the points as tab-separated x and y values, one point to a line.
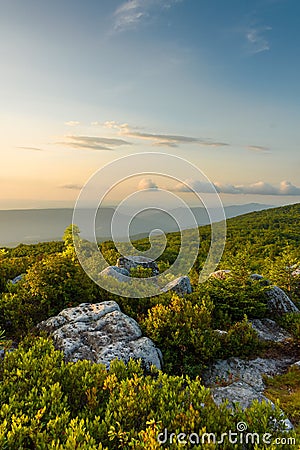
72	123
256	39
147	183
163	140
34	149
258	149
75	187
133	12
93	142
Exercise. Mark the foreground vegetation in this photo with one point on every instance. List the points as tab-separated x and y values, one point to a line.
49	404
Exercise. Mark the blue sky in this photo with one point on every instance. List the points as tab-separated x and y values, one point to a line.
84	83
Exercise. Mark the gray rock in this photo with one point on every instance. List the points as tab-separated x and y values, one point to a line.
221	332
118	273
279	303
18	278
269	331
236	392
256	277
240	381
132	262
181	286
243	394
260	278
250	372
296	364
220	274
100	333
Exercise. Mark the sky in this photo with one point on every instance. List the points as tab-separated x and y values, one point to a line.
84	83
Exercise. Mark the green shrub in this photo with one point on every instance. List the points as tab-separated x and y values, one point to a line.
183	332
48	404
241	340
291	322
233	299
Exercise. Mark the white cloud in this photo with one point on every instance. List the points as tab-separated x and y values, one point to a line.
190	185
112	124
287	188
256	39
72	123
147	183
226	188
132	12
258	188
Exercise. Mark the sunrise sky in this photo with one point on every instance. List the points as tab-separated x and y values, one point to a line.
86	82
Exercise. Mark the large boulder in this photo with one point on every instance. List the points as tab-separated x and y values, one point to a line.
269	331
279	303
181	286
100	333
132	262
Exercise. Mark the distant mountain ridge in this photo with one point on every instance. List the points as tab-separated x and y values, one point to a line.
36	225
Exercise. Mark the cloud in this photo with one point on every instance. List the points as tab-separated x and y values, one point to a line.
34	149
147	183
72	186
226	188
258	188
132	12
72	123
258	148
163	140
170	140
256	40
112	124
93	142
287	188
190	185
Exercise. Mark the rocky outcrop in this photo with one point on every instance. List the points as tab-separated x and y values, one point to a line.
250	372
241	381
269	331
181	286
118	273
100	333
278	302
132	262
